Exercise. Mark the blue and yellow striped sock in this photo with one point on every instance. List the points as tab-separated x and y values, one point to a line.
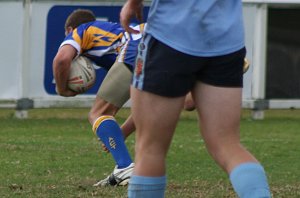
108	130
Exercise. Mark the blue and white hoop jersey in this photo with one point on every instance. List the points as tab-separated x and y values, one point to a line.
198	27
103	41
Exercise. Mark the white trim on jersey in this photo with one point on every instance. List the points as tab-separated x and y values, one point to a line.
98	53
73	43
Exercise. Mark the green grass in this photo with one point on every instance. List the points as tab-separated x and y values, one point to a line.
54	153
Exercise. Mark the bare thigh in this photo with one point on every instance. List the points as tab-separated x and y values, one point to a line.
101	107
155	118
219	109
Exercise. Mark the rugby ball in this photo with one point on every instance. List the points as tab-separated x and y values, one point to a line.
82	75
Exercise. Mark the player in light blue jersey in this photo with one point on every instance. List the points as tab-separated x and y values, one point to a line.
197	46
109	46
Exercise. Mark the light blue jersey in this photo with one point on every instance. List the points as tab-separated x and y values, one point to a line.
207	27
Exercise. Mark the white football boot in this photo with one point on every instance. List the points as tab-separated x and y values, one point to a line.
119	177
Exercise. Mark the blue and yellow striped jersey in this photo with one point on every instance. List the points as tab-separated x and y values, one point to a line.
103	42
98	40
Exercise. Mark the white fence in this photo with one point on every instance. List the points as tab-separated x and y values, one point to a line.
32	29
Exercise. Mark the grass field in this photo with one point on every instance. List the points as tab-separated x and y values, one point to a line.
54	154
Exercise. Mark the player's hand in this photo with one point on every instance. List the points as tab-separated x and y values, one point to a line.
104	148
65	93
131	9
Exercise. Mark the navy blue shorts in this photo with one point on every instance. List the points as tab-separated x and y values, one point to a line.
165	71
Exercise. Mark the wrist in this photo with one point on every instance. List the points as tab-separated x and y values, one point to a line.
135	2
60	90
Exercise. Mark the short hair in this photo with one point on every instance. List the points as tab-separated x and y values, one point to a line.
78	17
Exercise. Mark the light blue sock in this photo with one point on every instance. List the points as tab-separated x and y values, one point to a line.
108	130
249	181
146	187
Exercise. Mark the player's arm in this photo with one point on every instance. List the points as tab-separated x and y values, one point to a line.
131	9
61	69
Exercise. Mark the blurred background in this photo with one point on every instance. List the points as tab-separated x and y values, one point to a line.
32	30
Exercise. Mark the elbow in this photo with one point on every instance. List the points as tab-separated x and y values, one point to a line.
60	65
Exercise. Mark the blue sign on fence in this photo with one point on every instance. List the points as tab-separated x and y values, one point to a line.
55	34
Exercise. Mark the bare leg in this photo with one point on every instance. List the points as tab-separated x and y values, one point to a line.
128	127
155	118
189	104
107	129
101	107
220	118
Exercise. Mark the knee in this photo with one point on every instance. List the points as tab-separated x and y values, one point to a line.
189	104
215	149
224	152
94	114
97	111
91	117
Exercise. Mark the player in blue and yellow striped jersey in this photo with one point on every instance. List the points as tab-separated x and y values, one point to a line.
107	45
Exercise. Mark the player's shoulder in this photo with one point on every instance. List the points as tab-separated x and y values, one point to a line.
104	25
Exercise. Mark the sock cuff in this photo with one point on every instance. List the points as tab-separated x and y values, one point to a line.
135	179
246	167
101	119
147	187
